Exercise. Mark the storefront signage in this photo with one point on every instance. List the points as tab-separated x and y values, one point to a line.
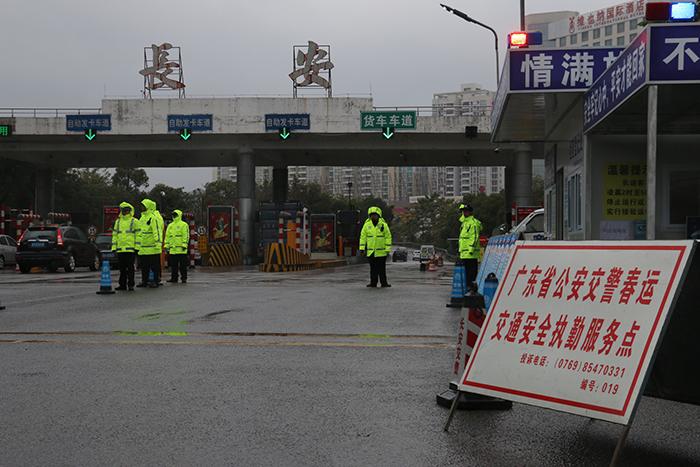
575	325
606	16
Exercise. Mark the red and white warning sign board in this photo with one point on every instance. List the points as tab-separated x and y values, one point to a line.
574	325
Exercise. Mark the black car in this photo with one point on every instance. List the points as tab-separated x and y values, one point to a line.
400	254
54	247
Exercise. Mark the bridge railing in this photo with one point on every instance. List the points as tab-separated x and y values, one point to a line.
443	110
45	112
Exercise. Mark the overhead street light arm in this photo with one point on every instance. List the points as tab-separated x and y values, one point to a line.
469	19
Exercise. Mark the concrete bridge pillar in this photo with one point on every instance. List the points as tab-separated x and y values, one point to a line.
522	175
246	203
280	184
44	200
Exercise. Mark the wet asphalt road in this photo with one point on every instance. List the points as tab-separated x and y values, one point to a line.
245	368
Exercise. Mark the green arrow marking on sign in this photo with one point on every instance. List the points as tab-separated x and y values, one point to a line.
284	133
388	132
185	134
90	135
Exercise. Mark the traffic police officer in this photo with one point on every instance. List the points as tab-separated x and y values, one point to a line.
150	247
469	243
375	242
125	242
177	239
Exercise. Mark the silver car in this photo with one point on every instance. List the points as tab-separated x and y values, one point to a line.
8	250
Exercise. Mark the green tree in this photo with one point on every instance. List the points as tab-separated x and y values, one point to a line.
538	191
315	198
168	198
220	192
16	184
130	179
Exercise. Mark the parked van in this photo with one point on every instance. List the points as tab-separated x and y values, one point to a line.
532	227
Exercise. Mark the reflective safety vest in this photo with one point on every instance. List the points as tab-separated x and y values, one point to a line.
375	240
149	238
125	235
177	236
469	246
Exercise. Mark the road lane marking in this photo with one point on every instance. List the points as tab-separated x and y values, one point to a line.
236	343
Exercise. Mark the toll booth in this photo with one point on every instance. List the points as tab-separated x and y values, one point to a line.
348	232
618	145
288	223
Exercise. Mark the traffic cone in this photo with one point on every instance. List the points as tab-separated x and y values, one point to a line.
458	292
105	279
470	326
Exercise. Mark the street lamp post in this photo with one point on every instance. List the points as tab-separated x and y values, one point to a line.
469	19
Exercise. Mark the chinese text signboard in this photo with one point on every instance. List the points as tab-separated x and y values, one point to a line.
606	16
661	54
558	69
625	77
275	122
675	54
574	325
399	120
625	192
98	122
110	214
220	224
197	122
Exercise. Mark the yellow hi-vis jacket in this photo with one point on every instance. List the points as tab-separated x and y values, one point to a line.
469	238
151	232
177	236
375	239
125	233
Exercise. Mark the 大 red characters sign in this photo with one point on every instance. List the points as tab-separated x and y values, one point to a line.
574	325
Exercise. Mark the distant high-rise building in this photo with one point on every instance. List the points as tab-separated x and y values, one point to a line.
473	101
612	26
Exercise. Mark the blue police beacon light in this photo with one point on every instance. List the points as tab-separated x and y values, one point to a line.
670	11
683	11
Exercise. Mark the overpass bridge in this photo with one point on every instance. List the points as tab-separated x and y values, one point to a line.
237	132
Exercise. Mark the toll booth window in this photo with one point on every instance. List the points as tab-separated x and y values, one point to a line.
684	195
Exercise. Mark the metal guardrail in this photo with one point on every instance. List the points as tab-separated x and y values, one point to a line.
441	110
45	112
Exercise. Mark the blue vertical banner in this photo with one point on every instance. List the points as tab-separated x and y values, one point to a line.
619	82
558	69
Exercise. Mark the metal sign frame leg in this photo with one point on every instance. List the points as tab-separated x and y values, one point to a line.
620	445
455	403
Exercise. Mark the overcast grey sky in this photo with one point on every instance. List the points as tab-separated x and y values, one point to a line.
70	53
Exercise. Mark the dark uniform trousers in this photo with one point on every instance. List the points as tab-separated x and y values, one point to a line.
377	270
178	263
126	269
150	263
471	270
